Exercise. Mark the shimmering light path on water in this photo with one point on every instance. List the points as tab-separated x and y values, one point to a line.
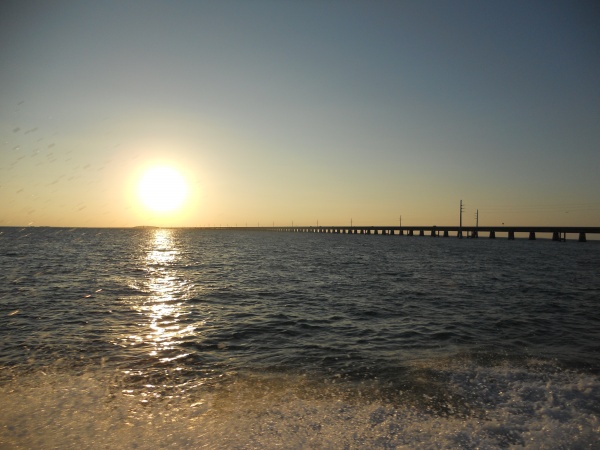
248	339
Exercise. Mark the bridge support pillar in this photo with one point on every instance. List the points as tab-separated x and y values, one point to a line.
582	237
433	233
475	234
410	233
400	232
492	235
532	235
511	235
446	233
556	236
422	233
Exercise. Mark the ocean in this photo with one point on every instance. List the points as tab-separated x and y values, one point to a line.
191	338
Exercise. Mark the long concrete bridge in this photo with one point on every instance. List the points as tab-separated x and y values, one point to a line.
557	233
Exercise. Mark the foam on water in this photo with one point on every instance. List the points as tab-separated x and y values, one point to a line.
444	404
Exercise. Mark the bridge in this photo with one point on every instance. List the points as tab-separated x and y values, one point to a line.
557	233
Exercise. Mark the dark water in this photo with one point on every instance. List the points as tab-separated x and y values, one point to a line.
221	339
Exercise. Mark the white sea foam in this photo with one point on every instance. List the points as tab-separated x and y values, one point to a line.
470	406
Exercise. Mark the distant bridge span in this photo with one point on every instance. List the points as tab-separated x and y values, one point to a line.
558	233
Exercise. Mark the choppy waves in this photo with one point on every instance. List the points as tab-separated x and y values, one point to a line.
189	338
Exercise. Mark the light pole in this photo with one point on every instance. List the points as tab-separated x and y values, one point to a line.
460	225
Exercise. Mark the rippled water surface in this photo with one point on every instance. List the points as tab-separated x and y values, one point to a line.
141	338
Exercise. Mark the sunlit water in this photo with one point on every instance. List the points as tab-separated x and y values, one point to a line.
221	339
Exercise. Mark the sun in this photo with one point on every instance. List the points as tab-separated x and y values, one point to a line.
163	189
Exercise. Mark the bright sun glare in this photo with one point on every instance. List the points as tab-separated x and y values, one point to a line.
163	189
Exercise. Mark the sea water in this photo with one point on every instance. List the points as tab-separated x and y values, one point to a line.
182	338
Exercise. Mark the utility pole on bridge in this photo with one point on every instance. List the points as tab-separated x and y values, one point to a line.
460	226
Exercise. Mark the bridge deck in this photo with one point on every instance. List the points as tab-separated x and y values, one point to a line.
558	233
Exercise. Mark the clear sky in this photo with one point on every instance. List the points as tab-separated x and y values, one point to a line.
281	111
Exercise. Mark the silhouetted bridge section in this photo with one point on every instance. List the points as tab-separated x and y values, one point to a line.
557	233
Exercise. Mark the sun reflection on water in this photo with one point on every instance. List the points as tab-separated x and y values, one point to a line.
165	307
